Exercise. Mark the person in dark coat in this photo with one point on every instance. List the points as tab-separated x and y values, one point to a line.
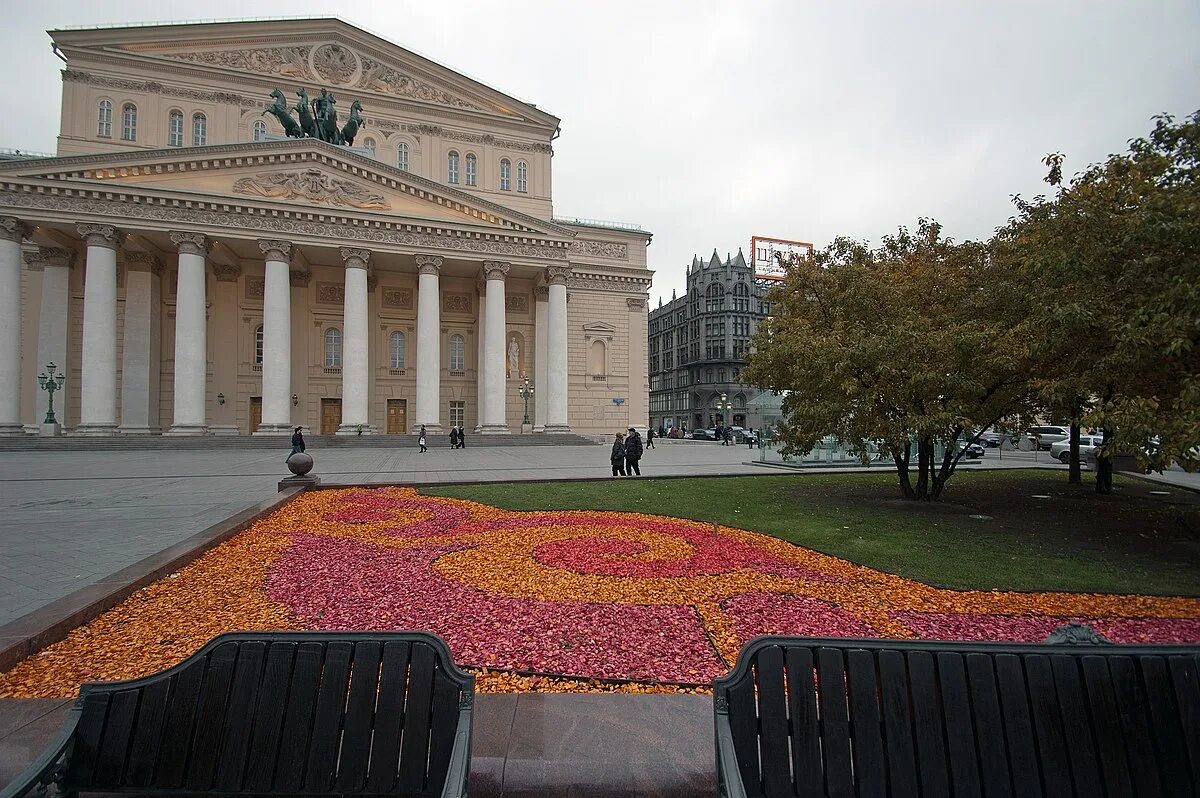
618	455
297	443
454	437
421	441
462	437
633	452
649	439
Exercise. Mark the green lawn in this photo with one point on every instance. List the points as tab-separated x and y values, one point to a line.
1130	542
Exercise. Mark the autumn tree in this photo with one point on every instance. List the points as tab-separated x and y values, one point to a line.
908	346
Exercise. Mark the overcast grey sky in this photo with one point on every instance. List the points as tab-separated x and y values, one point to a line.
708	122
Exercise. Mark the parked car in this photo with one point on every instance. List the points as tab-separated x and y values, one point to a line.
973	449
709	434
1061	450
1047	436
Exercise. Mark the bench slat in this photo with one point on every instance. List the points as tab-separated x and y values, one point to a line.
802	707
1135	723
297	721
210	717
268	717
1106	723
360	711
835	722
989	727
1071	702
773	732
866	723
321	766
87	740
114	745
1184	673
1047	724
1018	725
414	747
960	735
148	734
897	723
927	723
743	725
385	745
1168	736
180	723
239	716
444	726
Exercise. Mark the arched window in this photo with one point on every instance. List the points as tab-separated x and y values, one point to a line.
258	345
471	164
741	298
369	146
457	348
104	118
199	129
396	350
452	167
402	157
129	122
333	348
260	130
175	129
720	375
597	359
708	375
522	176
505	175
714	298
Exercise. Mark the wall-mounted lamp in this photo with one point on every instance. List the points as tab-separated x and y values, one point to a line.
220	398
295	400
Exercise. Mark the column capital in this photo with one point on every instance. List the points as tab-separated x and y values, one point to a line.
276	250
13	229
495	269
101	235
226	272
541	293
428	264
192	243
636	302
558	275
299	278
355	258
48	256
142	262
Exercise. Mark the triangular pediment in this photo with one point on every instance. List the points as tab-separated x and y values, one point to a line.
599	328
303	173
325	53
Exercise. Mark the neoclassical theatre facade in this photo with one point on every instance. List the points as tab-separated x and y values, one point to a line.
250	226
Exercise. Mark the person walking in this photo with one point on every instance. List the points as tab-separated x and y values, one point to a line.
462	437
297	443
633	453
728	436
454	437
421	440
618	455
649	439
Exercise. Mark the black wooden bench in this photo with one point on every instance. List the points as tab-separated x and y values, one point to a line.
814	716
273	713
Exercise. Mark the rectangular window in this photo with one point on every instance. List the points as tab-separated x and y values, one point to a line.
458	412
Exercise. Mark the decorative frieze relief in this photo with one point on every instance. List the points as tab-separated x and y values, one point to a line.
311	185
331	293
154	87
379	77
459	135
291	62
600	249
516	303
456	303
399	298
255	288
237	220
601	282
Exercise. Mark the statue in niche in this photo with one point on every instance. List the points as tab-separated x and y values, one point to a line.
514	358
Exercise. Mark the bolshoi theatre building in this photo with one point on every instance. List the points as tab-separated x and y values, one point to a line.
250	226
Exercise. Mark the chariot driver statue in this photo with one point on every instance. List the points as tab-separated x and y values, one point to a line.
326	116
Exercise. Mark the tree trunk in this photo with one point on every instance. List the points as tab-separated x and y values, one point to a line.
1104	466
1074	475
902	460
924	463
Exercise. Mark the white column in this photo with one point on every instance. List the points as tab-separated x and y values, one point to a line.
494	420
98	405
53	318
191	336
11	233
480	354
541	358
429	357
140	345
355	367
277	340
556	345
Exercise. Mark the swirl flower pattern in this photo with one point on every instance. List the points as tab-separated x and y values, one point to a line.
556	601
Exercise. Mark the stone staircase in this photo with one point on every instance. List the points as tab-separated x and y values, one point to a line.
33	443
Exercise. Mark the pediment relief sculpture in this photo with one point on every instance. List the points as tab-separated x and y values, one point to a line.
385	79
311	185
289	62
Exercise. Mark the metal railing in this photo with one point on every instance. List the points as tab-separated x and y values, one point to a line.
598	223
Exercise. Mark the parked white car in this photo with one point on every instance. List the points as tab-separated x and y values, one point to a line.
1061	450
1047	436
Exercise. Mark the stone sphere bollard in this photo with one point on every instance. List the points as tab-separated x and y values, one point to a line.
300	463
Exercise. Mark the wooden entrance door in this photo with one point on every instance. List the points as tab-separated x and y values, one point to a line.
255	413
397	418
331	416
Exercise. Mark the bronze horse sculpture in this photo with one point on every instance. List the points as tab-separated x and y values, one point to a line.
353	122
304	108
324	128
280	111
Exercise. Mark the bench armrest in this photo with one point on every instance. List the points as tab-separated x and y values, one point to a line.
49	767
729	775
460	759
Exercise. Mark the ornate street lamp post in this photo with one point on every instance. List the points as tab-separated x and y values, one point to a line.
526	391
724	406
50	383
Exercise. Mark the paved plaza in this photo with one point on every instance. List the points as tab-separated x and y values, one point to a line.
72	518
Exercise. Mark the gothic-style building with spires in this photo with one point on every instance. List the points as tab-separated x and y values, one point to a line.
697	349
196	260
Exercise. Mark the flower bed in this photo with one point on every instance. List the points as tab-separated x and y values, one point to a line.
552	601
